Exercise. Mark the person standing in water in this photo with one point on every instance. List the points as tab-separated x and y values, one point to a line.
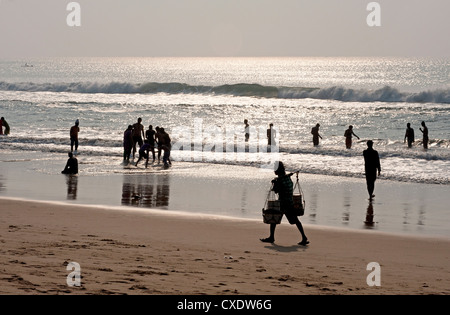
425	135
271	135
409	135
127	144
74	136
348	137
138	135
150	135
284	187
247	130
316	135
6	125
371	165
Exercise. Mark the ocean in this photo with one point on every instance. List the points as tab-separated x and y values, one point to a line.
202	101
202	104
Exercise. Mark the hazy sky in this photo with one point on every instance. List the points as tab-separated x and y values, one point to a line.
36	28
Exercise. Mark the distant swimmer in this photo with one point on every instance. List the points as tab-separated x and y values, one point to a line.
316	135
138	135
371	165
348	137
425	135
74	136
3	123
409	135
71	165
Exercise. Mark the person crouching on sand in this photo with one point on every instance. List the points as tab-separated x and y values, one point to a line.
284	187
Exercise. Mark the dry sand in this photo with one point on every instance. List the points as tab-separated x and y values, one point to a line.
157	252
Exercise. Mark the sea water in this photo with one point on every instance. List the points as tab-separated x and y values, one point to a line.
202	104
192	97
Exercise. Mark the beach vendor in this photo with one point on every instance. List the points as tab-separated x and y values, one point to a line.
284	187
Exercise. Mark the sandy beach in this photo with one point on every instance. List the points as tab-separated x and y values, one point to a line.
155	252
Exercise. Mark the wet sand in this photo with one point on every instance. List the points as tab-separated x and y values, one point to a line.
234	191
137	251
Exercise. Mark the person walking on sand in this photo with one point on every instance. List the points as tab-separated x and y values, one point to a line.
284	187
409	135
3	123
71	165
316	135
425	135
348	137
371	165
138	135
74	136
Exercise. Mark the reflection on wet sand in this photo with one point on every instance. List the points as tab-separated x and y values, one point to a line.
149	191
368	223
72	187
2	186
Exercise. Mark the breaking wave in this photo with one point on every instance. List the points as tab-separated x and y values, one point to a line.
385	94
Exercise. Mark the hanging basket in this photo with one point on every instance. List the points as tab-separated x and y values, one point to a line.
272	212
299	199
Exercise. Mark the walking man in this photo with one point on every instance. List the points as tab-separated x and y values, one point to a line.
372	165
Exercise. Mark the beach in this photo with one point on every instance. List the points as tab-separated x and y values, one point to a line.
195	228
155	252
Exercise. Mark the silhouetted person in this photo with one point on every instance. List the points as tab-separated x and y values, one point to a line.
127	144
247	130
71	165
144	151
150	135
167	147
284	187
3	123
316	135
425	135
74	136
159	137
271	134
409	135
138	135
348	137
371	165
